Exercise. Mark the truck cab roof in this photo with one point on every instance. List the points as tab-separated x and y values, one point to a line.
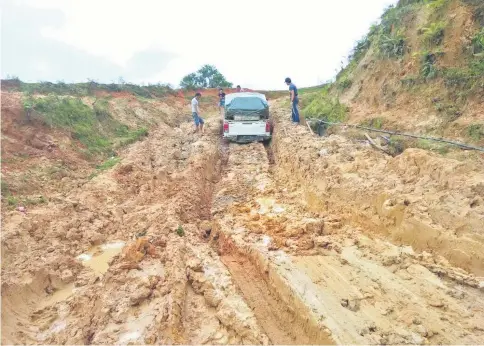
230	97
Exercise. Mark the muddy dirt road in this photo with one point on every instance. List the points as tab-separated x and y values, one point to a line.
190	240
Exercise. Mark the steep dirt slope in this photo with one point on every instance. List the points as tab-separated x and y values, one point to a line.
420	70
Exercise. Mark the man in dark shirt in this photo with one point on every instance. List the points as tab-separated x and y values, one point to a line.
294	100
221	103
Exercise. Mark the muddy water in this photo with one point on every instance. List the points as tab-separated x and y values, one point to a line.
98	258
59	295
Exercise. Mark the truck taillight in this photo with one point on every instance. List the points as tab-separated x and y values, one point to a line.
268	126
226	127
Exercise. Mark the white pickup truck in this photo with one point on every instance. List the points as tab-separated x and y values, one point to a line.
246	117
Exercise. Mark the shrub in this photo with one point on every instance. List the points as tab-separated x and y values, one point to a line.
477	43
180	231
392	45
376	123
428	60
434	33
94	127
109	163
322	106
476	131
344	83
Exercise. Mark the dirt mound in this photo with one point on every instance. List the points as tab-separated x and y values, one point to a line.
317	264
417	198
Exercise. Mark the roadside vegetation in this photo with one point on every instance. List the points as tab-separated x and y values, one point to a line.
89	88
93	126
320	104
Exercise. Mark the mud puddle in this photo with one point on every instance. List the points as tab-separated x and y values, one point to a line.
59	295
99	257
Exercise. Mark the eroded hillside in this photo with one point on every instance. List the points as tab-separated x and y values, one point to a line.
420	70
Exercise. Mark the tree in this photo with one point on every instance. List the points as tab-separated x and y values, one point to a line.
206	77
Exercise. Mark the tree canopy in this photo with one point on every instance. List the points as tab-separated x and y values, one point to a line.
206	77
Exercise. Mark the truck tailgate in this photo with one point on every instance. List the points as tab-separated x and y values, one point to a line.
246	128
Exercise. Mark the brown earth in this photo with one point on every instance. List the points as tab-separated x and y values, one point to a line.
189	240
377	90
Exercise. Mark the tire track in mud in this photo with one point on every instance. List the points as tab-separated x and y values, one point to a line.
282	320
166	285
309	278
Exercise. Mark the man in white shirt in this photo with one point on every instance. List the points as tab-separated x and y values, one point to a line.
196	113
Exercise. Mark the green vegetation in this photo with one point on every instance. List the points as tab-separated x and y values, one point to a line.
396	146
376	123
428	60
449	110
410	81
476	131
90	88
470	78
433	34
94	127
180	231
344	83
14	201
441	148
206	77
109	163
5	188
130	136
391	46
436	5
477	43
321	105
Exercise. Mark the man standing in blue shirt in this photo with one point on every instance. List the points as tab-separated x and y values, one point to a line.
294	100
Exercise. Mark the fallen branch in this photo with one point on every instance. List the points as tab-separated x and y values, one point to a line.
376	145
309	127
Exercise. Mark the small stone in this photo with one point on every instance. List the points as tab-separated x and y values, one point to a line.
139	295
436	303
417	339
96	238
67	276
159	241
421	330
212	298
350	304
195	264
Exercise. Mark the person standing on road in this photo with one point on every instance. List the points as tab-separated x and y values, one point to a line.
294	100
196	113
221	103
239	89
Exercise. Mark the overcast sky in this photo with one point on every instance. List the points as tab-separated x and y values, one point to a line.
254	43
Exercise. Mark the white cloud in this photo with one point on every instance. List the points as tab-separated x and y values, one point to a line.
255	43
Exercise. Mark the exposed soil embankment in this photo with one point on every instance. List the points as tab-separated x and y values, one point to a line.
323	280
432	203
122	258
